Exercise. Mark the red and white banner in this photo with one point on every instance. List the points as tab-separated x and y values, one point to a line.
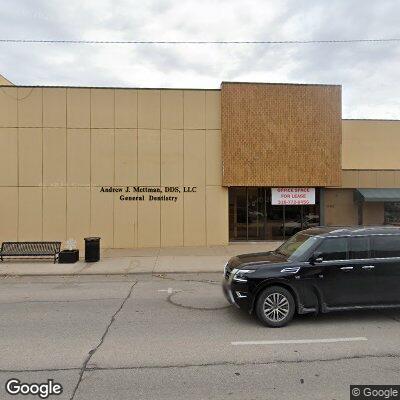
292	196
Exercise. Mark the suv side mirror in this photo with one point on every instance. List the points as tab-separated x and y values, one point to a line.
316	258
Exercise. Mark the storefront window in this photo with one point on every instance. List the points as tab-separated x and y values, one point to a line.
253	217
392	213
238	214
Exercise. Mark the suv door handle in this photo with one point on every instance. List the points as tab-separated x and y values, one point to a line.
368	267
346	268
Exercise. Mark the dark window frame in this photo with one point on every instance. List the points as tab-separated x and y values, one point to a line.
391	213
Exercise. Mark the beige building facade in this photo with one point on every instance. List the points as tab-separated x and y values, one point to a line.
67	152
369	161
170	167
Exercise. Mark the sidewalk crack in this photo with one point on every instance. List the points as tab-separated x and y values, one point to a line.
94	349
156	261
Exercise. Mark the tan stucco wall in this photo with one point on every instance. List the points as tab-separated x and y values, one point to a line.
368	178
58	146
370	144
339	207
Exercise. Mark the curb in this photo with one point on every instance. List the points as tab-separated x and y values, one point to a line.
219	271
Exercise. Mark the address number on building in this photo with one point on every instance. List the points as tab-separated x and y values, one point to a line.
292	196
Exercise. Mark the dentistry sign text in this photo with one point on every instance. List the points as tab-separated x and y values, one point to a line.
149	193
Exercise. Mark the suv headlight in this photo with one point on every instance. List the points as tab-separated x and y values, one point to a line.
241	274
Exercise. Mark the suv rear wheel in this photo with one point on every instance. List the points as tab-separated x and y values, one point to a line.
275	307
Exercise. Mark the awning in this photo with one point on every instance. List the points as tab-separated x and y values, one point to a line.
378	194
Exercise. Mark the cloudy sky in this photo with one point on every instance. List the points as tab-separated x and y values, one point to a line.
369	73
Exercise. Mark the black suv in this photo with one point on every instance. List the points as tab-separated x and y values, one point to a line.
318	270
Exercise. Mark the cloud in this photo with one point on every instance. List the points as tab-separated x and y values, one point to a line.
369	73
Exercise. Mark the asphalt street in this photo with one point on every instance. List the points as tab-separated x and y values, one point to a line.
175	337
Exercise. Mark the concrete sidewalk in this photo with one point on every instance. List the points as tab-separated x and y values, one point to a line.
135	261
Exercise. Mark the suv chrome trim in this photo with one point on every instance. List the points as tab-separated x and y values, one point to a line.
291	270
363	259
359	235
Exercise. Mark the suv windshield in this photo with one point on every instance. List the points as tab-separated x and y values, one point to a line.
296	246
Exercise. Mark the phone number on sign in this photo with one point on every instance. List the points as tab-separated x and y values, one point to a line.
293	202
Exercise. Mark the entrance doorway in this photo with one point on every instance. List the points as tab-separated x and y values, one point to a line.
253	217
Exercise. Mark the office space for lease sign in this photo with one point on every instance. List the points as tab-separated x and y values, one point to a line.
292	196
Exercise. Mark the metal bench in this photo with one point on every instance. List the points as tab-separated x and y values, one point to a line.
30	249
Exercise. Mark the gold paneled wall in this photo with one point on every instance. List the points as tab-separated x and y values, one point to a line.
281	134
59	146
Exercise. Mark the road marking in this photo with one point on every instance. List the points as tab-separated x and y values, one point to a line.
169	290
301	341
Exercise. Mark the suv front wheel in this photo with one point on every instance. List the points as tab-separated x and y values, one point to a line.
275	307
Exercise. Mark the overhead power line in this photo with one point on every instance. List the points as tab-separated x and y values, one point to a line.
199	42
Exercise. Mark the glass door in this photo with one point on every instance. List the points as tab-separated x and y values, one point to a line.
255	213
247	213
275	219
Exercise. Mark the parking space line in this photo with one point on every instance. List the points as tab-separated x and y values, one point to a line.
300	341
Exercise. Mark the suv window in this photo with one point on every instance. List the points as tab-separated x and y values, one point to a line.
333	249
386	246
359	247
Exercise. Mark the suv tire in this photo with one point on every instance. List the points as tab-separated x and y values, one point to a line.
275	307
